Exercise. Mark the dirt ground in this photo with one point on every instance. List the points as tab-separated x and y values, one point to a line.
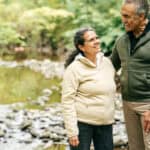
124	147
120	148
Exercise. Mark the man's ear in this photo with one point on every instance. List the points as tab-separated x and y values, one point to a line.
142	16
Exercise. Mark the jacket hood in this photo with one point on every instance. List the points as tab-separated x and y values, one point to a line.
141	41
86	61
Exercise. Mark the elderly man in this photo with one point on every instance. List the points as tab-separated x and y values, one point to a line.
132	54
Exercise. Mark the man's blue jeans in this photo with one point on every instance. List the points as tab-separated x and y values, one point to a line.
101	135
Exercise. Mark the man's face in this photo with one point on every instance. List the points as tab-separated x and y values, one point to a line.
130	19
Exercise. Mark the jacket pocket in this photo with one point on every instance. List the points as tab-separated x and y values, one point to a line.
138	84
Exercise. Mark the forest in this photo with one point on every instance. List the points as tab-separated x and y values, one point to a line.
45	28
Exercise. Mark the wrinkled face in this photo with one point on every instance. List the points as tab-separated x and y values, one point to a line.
130	19
91	44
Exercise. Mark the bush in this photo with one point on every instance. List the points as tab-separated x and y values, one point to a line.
9	38
43	28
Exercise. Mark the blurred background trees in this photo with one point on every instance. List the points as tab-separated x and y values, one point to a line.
37	28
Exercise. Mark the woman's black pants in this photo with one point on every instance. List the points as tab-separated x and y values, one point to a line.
101	135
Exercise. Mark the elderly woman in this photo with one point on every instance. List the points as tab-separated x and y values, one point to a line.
88	90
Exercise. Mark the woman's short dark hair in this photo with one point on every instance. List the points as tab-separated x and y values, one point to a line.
78	40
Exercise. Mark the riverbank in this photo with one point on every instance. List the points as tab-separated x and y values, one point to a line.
42	129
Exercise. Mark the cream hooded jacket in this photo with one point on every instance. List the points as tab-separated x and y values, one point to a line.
87	93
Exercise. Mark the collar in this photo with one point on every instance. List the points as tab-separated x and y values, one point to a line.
147	29
86	61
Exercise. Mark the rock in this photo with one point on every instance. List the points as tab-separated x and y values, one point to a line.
2	133
47	92
25	125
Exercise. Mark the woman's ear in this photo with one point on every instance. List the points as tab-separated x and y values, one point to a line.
81	47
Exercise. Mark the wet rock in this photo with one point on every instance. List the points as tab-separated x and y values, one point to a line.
30	126
25	125
48	144
47	92
2	133
48	68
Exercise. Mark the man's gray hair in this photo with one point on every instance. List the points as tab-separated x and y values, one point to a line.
142	6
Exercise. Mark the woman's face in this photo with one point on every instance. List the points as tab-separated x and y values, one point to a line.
91	44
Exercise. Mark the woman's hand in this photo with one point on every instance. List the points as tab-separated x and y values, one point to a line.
74	141
117	81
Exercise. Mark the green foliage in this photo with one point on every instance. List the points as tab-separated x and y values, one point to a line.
111	29
107	25
9	38
10	13
48	26
44	27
